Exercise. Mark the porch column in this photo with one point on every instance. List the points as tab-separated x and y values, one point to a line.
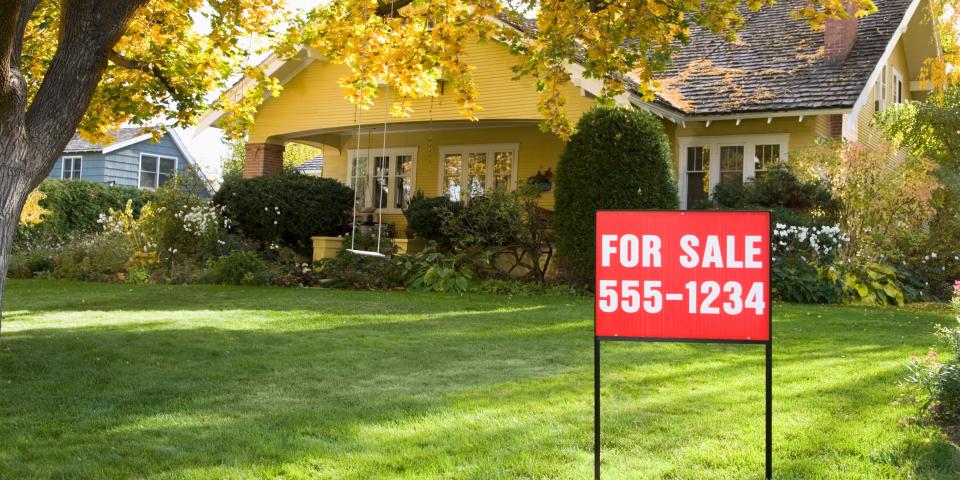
263	159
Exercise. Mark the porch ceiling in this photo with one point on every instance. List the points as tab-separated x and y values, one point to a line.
327	136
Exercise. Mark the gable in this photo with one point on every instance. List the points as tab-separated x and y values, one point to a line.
313	102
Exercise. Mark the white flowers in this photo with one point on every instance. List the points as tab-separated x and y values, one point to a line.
821	241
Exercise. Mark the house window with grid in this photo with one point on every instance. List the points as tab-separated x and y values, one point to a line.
698	176
731	165
470	171
706	162
383	179
897	86
764	157
71	168
156	170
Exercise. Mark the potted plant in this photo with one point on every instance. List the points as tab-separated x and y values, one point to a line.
544	180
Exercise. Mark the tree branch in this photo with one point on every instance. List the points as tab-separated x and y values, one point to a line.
391	9
145	67
89	30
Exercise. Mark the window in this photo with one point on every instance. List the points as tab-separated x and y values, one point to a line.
156	170
71	167
897	94
706	162
469	171
698	171
880	91
764	157
385	182
731	165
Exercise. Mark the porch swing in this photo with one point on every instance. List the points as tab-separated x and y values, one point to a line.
380	173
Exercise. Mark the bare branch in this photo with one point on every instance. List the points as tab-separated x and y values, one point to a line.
25	13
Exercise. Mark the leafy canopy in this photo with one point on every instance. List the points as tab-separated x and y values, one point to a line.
161	67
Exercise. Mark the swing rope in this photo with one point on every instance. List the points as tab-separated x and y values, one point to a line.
383	156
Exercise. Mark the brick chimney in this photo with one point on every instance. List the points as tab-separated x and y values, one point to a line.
839	35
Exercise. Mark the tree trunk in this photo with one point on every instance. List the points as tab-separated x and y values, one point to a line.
33	134
15	186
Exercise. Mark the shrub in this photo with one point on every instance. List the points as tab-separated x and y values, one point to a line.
504	232
100	258
360	272
425	217
935	380
238	268
795	280
178	224
287	209
75	206
792	200
435	271
618	159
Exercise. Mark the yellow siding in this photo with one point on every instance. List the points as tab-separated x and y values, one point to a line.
802	134
867	134
537	151
313	99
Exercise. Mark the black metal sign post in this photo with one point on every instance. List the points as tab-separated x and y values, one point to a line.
768	345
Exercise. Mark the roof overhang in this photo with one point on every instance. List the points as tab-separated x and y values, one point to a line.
283	69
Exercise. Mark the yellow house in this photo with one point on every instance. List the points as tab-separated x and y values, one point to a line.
729	109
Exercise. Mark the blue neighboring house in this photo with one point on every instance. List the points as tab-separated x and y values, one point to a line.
132	159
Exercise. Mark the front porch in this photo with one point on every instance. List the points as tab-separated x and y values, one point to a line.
458	159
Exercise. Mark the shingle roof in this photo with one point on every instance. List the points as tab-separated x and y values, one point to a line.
776	64
314	164
78	144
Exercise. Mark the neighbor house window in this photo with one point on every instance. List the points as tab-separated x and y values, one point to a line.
469	171
698	172
765	156
706	162
71	167
383	178
156	170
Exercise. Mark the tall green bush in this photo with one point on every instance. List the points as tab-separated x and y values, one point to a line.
286	209
75	208
618	159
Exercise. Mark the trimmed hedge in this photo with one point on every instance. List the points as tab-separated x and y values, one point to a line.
76	205
287	209
618	159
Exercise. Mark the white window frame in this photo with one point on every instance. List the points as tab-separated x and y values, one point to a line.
883	89
897	80
748	142
63	166
393	153
156	174
464	150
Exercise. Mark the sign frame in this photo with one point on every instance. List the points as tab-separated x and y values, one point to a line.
768	350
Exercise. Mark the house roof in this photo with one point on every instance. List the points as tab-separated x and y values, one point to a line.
776	64
314	164
121	136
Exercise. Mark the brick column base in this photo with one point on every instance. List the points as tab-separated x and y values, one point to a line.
263	159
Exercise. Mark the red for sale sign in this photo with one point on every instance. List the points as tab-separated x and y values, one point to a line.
683	275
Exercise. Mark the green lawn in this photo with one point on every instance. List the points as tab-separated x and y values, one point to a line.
114	381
